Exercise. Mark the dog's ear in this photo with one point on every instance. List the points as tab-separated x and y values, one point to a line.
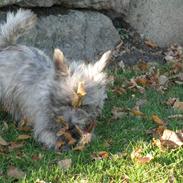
100	65
60	65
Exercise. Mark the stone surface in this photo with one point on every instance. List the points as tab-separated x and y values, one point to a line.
80	35
120	6
160	20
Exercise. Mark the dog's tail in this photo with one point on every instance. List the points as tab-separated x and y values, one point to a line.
16	25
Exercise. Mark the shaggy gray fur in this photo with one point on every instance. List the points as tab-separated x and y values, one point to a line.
35	87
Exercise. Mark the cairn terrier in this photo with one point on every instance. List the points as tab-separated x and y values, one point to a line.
41	89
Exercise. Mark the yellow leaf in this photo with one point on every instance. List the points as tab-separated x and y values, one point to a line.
81	90
157	120
78	96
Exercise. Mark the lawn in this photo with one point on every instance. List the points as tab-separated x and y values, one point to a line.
117	137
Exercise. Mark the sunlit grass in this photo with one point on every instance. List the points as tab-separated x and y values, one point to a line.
125	134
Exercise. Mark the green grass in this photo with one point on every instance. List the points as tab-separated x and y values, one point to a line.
126	134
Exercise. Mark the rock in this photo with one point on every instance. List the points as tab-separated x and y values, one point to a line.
160	20
80	35
120	6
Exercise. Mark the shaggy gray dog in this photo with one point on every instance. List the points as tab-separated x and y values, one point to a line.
33	86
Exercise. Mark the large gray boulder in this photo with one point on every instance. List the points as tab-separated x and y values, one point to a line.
160	20
81	35
120	6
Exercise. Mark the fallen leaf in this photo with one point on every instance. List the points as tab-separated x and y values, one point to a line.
60	120
137	157
118	113
65	164
79	147
143	66
100	155
157	120
163	80
85	139
23	137
119	90
37	157
171	139
15	172
69	138
78	96
159	131
59	144
150	43
178	105
171	101
3	142
136	112
142	81
15	145
144	159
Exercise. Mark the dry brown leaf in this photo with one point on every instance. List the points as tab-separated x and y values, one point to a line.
100	155
15	172
137	157
37	157
65	164
171	101
61	132
142	81
150	43
85	139
143	66
119	90
3	142
15	145
69	138
79	147
178	105
159	131
171	139
163	80
157	120
136	112
118	112
60	120
23	137
59	144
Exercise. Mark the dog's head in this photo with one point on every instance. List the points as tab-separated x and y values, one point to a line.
79	89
